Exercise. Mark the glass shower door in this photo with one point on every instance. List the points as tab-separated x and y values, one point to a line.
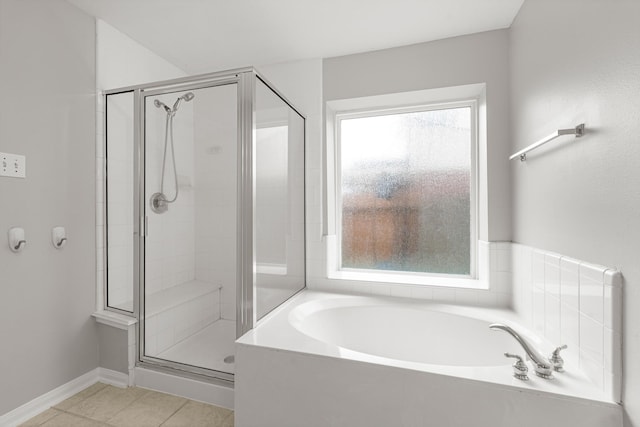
190	204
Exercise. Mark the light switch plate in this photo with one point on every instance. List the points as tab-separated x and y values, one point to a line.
13	165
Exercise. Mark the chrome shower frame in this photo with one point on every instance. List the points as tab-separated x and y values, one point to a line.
246	316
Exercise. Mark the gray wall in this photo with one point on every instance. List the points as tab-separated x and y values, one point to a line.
114	348
578	61
47	82
477	58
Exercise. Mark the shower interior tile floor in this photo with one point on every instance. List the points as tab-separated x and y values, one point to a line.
206	348
105	405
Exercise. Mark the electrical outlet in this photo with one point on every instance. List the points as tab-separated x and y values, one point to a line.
13	165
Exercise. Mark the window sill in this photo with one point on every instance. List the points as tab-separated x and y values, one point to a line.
409	279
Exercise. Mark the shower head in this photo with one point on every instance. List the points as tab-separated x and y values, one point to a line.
186	97
159	104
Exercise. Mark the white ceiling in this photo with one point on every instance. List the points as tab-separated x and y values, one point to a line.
209	35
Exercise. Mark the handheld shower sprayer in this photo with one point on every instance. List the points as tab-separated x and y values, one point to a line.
186	97
159	202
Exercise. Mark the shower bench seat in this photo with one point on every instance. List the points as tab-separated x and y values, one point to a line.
173	314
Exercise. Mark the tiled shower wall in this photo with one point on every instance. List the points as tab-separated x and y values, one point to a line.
576	303
170	252
564	300
215	192
169	245
120	171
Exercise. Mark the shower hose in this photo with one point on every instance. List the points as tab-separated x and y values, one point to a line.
168	137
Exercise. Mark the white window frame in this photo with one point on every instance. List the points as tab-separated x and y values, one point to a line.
385	105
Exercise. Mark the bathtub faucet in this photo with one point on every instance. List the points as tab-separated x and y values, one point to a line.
541	365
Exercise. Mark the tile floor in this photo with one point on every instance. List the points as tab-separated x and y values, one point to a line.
105	405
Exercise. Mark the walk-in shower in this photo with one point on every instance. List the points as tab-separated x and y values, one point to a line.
228	156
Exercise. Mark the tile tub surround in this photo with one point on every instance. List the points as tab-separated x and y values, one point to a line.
491	289
576	303
565	300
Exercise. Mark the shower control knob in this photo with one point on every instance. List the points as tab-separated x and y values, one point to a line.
520	368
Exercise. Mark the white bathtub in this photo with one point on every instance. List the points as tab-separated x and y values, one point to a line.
427	334
327	359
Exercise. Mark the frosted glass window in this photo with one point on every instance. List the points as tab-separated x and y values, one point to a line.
405	191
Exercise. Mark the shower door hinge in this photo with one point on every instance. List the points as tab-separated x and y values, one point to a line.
144	225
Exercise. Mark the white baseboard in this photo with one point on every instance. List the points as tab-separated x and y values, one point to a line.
113	378
57	395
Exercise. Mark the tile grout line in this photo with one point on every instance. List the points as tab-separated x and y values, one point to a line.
127	405
74	415
175	412
61	411
92	394
45	421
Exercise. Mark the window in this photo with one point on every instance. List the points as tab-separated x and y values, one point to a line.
405	192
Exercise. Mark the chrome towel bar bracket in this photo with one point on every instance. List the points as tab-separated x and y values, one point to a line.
578	131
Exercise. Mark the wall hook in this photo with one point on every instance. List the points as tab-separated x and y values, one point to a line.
17	241
58	237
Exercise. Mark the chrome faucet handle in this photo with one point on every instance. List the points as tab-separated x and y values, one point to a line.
556	360
541	366
519	367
